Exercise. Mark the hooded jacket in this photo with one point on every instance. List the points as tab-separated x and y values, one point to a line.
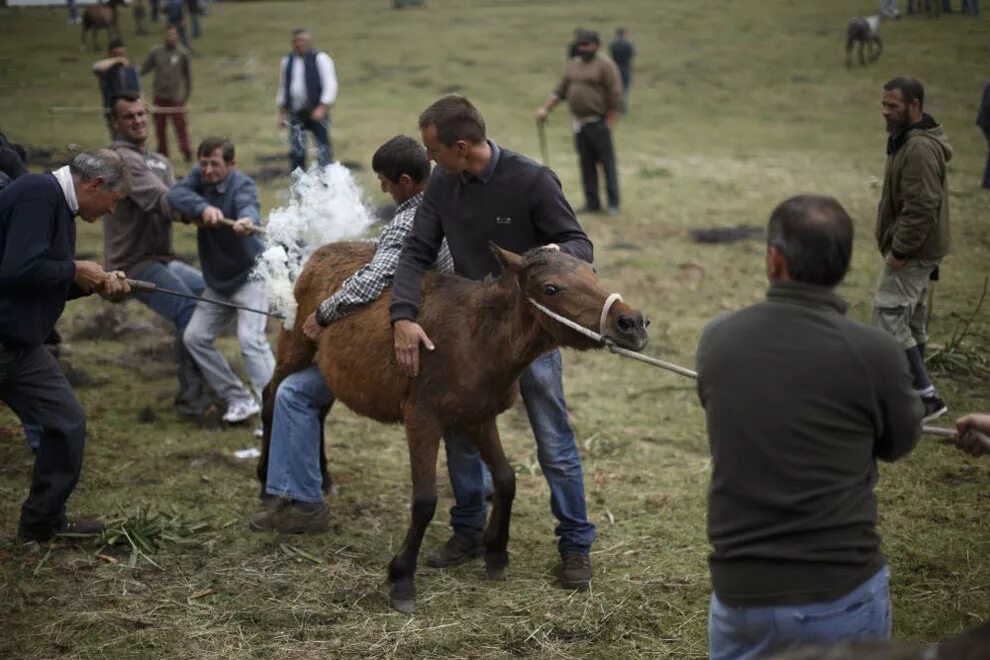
913	216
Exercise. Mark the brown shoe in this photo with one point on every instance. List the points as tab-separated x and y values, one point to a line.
288	518
454	552
71	529
575	571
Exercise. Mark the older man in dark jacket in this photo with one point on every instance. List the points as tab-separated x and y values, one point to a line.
38	274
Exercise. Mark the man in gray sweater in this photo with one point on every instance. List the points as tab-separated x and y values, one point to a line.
800	402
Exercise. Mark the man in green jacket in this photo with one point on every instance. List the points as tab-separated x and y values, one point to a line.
912	226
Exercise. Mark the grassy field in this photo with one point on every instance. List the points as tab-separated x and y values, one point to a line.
735	106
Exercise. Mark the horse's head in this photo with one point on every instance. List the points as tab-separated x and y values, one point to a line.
567	286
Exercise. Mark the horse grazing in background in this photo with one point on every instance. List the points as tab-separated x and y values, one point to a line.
485	333
864	31
100	17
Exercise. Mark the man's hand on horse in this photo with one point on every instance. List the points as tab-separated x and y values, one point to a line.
312	328
114	287
211	216
408	335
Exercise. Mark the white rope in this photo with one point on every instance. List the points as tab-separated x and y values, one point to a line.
669	366
606	308
608	343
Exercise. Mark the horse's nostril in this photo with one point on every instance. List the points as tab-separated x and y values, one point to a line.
626	323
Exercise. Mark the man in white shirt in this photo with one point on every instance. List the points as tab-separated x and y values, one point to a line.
307	88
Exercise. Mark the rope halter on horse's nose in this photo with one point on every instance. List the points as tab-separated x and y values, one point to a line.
600	337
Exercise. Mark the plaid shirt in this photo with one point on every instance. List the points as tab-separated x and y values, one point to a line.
367	284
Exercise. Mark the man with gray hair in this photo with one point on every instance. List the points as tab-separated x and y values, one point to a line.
38	274
796	424
307	87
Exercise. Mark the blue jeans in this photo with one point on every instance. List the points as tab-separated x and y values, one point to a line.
542	391
299	123
294	452
741	633
193	397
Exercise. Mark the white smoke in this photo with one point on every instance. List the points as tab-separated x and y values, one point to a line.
325	206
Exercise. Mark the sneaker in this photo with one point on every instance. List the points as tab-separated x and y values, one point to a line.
454	552
575	571
288	518
238	411
613	210
81	527
934	407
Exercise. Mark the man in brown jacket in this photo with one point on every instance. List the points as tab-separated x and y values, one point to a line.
912	226
173	84
593	90
137	239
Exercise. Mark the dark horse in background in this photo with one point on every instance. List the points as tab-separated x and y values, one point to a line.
100	17
864	31
486	334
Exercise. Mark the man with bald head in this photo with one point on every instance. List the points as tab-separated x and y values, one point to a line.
800	402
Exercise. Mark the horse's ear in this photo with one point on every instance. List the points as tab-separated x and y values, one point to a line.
508	260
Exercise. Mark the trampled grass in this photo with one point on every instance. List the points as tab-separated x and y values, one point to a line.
735	106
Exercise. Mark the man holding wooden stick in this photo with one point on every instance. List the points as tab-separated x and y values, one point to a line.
214	191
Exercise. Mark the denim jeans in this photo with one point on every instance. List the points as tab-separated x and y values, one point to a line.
986	170
206	324
294	453
36	390
299	123
740	633
542	391
193	397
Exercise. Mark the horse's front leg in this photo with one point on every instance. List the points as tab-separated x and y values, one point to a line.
423	437
504	480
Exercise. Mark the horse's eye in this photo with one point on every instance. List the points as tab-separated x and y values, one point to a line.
550	290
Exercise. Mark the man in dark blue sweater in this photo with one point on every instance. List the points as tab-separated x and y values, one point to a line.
38	274
482	193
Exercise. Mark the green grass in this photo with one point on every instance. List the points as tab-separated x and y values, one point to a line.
735	106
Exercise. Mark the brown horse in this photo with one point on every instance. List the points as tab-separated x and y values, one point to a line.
100	17
486	334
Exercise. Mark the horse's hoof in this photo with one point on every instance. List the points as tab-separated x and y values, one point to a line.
495	563
405	606
496	573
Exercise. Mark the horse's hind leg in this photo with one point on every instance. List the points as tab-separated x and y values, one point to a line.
423	436
504	480
293	352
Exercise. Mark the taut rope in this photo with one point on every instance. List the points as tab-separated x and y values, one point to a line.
600	338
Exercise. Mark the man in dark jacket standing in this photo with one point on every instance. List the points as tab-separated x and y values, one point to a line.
307	87
983	121
593	91
623	52
912	228
116	74
38	274
796	423
481	192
